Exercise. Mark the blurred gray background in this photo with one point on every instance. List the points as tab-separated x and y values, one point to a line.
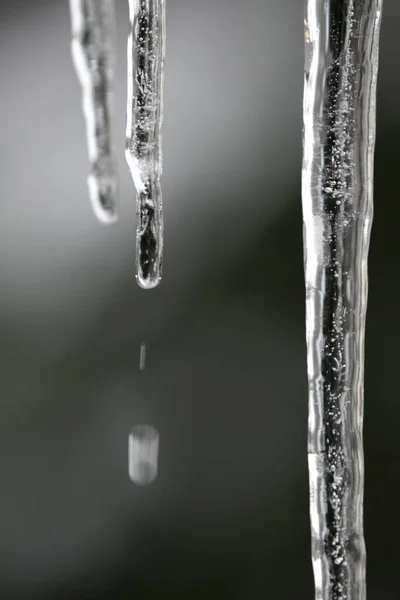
225	377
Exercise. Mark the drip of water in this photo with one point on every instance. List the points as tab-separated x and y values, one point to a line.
342	39
142	362
143	454
93	26
146	52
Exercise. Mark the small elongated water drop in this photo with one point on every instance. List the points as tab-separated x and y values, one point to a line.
142	363
146	53
143	454
93	28
341	68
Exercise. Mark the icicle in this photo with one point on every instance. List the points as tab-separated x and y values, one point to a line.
93	26
339	136
146	51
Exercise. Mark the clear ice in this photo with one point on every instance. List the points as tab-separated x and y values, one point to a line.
146	53
143	454
342	38
93	28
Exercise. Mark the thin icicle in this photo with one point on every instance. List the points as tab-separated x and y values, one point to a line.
146	52
93	28
339	136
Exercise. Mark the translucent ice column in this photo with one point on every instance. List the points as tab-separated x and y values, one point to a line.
93	27
146	51
339	136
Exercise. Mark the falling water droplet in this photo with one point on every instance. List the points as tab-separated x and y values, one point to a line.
142	362
93	26
143	454
339	136
146	52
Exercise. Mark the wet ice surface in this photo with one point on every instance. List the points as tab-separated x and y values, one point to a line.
339	137
146	51
93	27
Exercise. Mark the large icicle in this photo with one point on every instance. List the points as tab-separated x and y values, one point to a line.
339	137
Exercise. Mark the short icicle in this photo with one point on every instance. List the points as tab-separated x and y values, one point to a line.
93	29
146	53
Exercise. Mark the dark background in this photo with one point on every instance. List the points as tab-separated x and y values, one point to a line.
225	378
